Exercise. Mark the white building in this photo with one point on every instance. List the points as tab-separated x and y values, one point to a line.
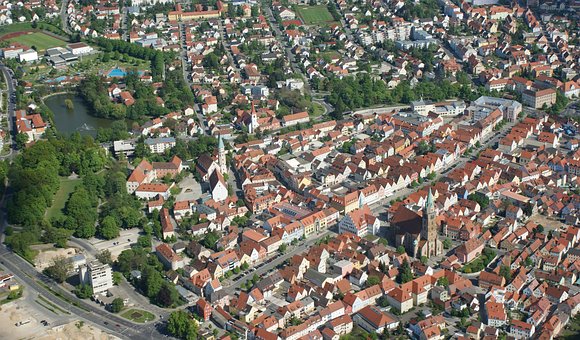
422	107
28	56
149	2
79	48
98	275
218	186
359	222
159	145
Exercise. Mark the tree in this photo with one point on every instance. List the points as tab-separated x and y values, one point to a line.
117	305
506	272
108	228
210	240
104	256
181	326
424	259
400	250
447	243
167	295
81	213
283	248
423	148
117	278
405	274
443	281
144	241
83	291
481	199
21	140
69	104
373	280
60	268
15	294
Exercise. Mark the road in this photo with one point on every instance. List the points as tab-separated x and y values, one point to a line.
36	284
127	290
265	268
125	23
493	138
347	30
227	46
31	279
64	17
184	69
288	49
10	107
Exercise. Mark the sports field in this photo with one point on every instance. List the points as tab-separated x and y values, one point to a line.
40	40
315	15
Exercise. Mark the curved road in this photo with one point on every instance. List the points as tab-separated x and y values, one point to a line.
38	284
10	107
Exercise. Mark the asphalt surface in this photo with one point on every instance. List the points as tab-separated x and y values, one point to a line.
459	162
32	280
64	17
11	106
231	286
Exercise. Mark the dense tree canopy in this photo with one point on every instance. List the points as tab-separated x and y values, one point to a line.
362	90
181	326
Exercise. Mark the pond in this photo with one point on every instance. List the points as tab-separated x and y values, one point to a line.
76	119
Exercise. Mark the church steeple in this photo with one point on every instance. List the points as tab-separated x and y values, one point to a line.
222	155
253	120
429	231
429	204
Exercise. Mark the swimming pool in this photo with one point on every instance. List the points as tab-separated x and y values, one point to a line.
120	73
117	72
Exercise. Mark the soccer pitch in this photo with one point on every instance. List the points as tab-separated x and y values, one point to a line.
314	15
41	40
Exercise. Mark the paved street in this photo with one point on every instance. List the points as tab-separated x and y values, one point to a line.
31	279
292	250
10	107
493	138
288	49
63	17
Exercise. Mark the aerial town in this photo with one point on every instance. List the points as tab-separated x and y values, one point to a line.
290	169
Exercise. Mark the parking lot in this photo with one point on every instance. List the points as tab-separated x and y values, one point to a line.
117	245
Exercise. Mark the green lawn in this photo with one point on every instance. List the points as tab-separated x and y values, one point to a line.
315	15
18	27
41	40
138	315
316	110
67	186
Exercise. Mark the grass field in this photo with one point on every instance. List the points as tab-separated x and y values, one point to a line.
18	27
315	15
67	186
41	40
137	315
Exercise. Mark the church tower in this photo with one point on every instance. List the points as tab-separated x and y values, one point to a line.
432	246
222	156
253	120
428	227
